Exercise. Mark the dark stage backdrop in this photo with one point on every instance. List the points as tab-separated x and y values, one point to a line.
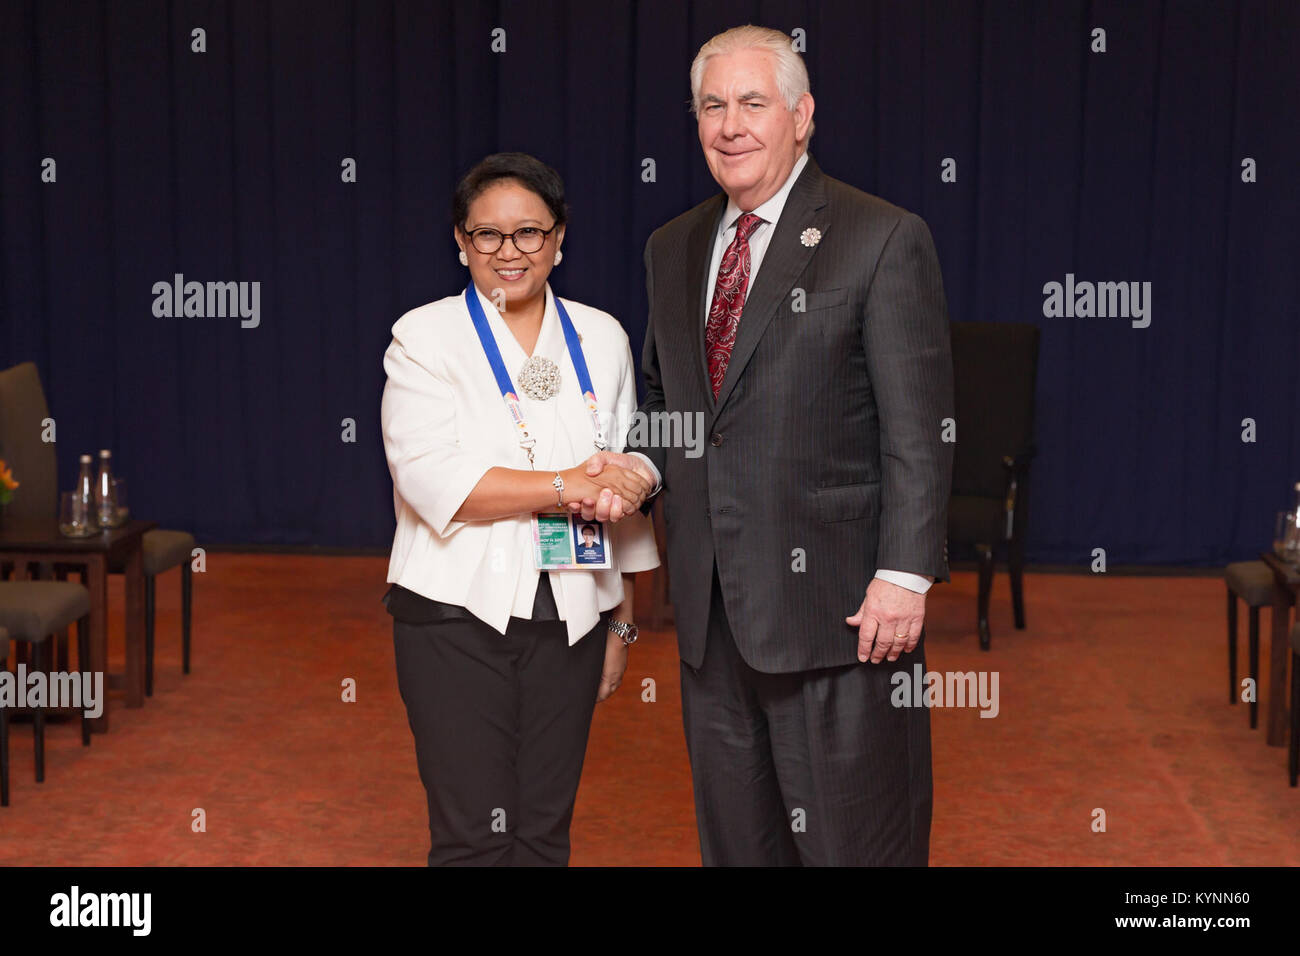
226	165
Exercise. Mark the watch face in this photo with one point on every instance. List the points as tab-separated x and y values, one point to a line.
630	633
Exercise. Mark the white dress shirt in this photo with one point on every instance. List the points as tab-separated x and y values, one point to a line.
759	239
770	212
445	425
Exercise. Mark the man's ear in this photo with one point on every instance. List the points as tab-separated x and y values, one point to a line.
803	114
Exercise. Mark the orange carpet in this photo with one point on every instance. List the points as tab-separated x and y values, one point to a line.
1114	698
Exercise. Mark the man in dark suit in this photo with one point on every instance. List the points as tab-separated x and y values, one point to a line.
806	322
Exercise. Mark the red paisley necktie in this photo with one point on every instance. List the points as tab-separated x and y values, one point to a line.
728	300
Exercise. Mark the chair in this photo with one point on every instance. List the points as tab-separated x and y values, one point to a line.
1293	760
995	370
23	409
33	611
164	550
1254	583
34	462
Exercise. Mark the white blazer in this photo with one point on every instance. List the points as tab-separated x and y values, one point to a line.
445	425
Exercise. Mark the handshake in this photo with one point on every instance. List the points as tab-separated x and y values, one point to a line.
609	486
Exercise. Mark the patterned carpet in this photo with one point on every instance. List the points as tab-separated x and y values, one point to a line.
1115	698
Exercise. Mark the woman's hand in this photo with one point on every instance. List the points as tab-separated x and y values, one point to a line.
615	665
623	482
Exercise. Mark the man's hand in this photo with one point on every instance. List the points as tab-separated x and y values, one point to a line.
890	618
609	506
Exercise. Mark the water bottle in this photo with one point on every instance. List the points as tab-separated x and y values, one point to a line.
105	495
84	499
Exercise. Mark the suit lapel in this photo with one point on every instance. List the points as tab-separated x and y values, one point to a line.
785	259
699	254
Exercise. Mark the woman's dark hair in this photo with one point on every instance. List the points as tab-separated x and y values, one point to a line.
533	174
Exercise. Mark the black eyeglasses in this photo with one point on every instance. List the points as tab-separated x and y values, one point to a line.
528	240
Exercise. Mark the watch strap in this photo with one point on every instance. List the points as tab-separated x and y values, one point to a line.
623	629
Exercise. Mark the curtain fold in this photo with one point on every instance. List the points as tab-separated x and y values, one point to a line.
227	165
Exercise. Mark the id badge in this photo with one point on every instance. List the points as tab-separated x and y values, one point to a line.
564	542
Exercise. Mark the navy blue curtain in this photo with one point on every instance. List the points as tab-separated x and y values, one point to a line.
225	165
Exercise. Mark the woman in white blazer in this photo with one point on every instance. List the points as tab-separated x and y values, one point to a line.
496	397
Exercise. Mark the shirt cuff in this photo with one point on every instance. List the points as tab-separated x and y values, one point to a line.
659	482
920	583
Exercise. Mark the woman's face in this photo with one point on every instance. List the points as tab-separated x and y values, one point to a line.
506	206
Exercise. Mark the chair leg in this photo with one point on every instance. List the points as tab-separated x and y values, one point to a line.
1254	665
1294	759
1234	692
40	653
985	589
1016	569
83	660
148	634
61	658
187	604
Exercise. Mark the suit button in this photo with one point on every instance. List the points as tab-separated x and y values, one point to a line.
716	440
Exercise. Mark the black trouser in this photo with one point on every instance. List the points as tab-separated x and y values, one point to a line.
500	725
812	768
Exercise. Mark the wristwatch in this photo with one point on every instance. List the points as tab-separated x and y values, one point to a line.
624	630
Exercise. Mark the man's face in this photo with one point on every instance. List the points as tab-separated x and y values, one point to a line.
750	140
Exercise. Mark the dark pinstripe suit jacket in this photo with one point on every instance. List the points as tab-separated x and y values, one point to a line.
823	457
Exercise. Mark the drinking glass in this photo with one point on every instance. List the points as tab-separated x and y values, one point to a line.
119	495
76	517
1286	537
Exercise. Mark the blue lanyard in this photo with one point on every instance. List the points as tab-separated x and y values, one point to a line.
507	388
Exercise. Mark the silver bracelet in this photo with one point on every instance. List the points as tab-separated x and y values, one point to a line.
558	485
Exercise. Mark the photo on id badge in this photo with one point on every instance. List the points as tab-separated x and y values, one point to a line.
589	544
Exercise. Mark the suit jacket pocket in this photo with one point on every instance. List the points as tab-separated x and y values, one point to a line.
825	300
849	502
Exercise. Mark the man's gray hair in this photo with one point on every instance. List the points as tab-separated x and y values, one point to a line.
791	74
